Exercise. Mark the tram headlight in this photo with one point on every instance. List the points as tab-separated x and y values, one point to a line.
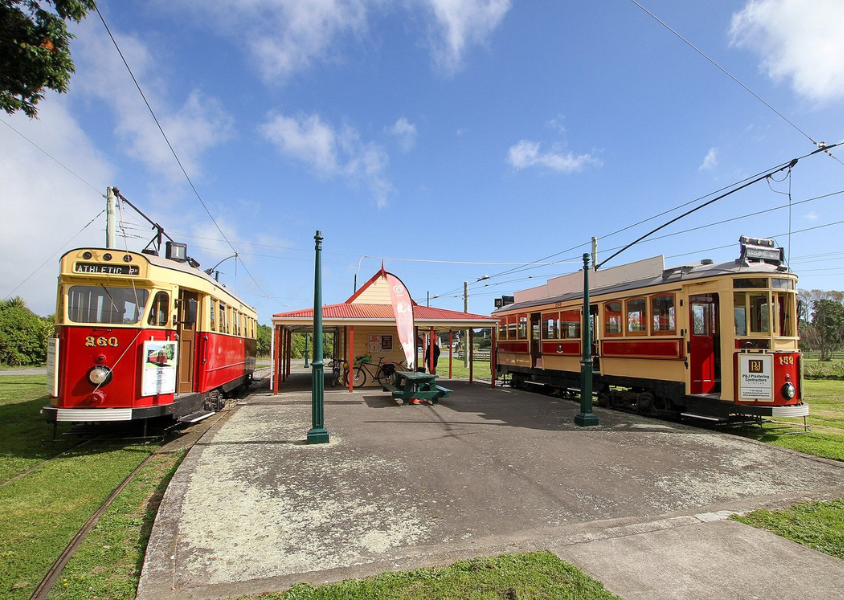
99	375
788	390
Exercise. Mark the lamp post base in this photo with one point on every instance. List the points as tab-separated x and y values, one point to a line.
585	419
318	435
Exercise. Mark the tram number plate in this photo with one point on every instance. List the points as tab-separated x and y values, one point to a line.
101	341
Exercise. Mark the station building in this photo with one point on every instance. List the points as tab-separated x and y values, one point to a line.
365	324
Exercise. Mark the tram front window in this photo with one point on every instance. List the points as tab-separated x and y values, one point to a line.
105	305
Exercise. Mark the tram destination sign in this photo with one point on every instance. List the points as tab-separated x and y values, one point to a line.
99	269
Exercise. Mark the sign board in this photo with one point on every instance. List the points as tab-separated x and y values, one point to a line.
756	377
159	370
53	367
98	269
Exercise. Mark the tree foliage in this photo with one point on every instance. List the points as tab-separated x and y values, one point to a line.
35	50
828	325
23	335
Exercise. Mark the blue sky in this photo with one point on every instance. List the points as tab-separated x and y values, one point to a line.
452	139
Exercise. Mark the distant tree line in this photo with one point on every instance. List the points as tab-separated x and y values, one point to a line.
23	334
821	322
297	344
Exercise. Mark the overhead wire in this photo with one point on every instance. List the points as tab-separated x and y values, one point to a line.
169	145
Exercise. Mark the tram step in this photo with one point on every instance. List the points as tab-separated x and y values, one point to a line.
196	417
704	417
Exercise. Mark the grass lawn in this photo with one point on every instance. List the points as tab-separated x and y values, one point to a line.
826	419
522	576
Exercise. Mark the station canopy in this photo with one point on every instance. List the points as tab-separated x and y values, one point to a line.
371	305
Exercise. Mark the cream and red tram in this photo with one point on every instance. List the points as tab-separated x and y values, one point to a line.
705	340
141	336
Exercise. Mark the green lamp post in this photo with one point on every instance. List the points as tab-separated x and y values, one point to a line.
318	434
585	417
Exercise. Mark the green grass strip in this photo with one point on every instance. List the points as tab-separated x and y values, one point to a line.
523	576
818	525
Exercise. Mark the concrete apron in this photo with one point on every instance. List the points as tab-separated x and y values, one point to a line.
639	504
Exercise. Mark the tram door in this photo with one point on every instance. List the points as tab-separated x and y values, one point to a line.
535	343
703	344
188	316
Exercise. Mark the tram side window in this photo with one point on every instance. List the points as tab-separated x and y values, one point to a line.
523	327
551	326
212	313
784	320
662	309
105	305
159	310
512	325
570	324
223	321
760	317
637	317
612	318
740	310
502	328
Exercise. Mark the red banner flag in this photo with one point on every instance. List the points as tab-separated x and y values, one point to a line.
403	309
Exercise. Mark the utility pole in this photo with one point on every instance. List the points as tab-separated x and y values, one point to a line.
111	205
466	333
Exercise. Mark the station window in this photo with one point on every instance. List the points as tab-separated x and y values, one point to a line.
637	316
502	328
570	324
159	310
551	326
662	309
612	318
523	321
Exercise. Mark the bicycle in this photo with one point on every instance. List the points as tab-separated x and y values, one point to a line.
335	364
365	369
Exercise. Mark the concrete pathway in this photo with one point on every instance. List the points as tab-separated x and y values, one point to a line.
637	503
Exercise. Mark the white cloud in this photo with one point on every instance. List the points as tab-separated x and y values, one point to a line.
331	152
526	154
796	40
286	37
557	124
710	161
405	132
199	124
461	23
812	216
45	207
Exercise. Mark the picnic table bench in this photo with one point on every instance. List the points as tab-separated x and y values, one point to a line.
412	385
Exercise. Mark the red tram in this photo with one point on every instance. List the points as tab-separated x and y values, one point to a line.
705	340
141	336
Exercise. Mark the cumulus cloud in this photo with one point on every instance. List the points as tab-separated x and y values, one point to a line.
527	154
331	152
47	208
710	161
796	41
193	127
460	23
405	132
285	37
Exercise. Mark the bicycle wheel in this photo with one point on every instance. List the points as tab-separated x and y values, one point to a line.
386	374
359	377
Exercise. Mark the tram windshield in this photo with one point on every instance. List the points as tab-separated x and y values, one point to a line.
105	305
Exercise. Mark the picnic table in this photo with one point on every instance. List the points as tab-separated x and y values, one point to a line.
413	385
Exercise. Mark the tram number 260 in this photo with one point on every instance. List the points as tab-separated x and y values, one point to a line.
91	341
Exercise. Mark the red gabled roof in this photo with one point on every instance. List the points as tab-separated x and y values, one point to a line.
379	311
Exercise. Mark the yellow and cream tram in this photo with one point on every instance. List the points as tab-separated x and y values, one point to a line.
706	340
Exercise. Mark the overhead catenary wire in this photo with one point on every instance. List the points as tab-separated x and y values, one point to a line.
170	146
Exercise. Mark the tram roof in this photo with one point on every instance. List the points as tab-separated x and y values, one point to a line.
679	274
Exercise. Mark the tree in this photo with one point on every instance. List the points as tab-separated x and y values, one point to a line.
265	336
23	335
35	50
828	323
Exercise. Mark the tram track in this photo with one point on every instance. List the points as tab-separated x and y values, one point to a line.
181	444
